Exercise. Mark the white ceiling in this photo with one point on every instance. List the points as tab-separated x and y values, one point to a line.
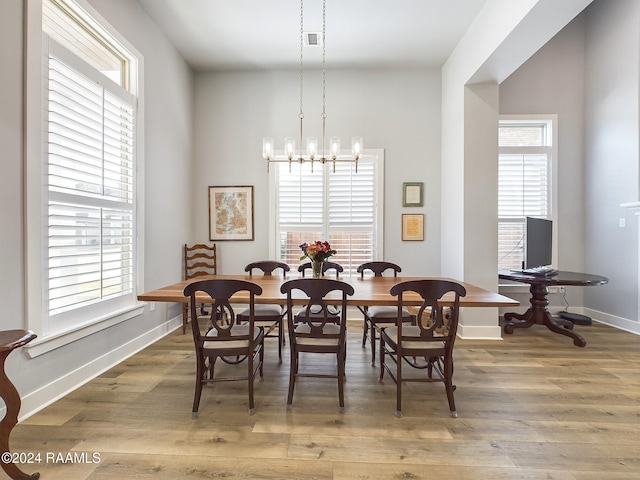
265	34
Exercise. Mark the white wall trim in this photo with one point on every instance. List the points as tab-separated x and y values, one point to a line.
479	332
625	324
49	393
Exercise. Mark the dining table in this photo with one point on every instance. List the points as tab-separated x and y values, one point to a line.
368	291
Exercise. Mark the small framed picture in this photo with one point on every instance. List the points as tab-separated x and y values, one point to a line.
412	194
412	226
231	213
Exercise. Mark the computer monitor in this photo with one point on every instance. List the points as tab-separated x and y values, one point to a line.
539	235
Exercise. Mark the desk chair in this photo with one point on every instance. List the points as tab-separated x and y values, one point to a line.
420	346
379	314
266	315
317	333
199	259
220	336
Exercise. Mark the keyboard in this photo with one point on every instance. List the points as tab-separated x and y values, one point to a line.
543	271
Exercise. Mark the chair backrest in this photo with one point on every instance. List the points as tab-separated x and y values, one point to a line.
222	316
325	266
199	259
378	268
267	267
316	290
431	292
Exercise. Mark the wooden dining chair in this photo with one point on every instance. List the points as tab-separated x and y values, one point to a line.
219	336
334	311
317	333
378	315
421	346
325	266
199	259
268	316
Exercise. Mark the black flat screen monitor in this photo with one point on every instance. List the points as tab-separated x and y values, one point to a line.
539	234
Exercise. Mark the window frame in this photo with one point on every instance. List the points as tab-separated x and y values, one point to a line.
36	191
374	155
552	151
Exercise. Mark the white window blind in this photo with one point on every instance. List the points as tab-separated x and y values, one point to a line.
339	207
90	160
524	185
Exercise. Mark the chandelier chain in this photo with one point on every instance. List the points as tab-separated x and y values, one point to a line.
301	52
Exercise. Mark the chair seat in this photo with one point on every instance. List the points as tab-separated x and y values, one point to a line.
332	311
391	334
236	331
329	329
263	310
386	312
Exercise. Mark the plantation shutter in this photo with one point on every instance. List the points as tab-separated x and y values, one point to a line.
337	207
90	162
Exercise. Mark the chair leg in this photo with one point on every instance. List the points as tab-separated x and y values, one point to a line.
250	377
399	387
261	357
448	374
280	340
341	368
365	329
292	378
373	344
200	371
185	317
382	351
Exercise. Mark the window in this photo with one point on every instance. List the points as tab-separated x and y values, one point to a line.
340	207
525	182
88	163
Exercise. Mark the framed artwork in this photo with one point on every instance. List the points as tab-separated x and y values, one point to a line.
231	213
412	193
413	226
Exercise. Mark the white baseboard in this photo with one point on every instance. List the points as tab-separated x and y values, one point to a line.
611	320
481	332
48	394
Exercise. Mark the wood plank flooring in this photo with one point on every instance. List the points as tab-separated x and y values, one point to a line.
532	406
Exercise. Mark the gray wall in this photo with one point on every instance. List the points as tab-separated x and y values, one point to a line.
398	111
611	138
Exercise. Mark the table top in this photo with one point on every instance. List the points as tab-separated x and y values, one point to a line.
368	291
560	277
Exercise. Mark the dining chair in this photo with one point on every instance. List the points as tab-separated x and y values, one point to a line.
377	315
199	259
334	311
325	266
268	316
219	336
421	346
317	333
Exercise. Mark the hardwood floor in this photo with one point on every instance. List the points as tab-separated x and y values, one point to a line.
532	406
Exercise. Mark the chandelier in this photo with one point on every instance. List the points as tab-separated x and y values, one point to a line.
314	151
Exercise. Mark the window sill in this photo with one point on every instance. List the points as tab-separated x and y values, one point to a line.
46	344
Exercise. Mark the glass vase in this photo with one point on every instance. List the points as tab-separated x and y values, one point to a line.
316	268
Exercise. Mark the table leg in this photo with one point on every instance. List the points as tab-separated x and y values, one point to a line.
539	314
12	401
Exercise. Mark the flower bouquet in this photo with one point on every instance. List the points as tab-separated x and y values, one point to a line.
317	252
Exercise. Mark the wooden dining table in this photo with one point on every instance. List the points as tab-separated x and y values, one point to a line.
368	291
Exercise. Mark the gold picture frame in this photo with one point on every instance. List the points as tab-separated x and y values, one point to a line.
412	194
412	227
231	213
